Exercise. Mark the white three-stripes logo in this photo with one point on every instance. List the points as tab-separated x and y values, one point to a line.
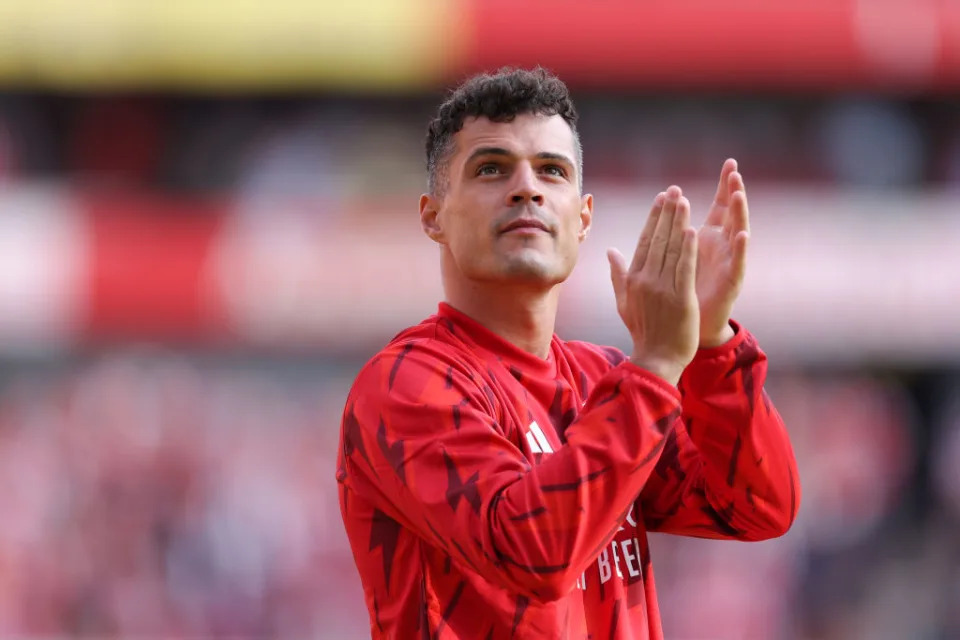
537	440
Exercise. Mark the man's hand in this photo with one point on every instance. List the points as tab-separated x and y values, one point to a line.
722	256
656	294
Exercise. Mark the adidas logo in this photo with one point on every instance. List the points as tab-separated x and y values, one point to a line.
537	439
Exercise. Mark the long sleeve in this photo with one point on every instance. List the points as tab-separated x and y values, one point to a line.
728	471
426	439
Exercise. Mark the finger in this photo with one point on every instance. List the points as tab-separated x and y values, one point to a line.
735	182
681	221
618	272
738	218
643	245
686	274
738	266
717	215
723	187
661	235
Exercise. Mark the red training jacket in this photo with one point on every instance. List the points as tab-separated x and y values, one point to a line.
490	494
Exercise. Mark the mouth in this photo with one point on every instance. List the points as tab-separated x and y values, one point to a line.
525	226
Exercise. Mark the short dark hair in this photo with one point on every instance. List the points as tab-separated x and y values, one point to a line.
500	97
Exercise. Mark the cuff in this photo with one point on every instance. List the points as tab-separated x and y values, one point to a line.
724	350
650	380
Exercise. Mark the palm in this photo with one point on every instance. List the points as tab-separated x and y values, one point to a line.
714	265
722	252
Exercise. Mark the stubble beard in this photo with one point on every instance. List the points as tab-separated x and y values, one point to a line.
530	266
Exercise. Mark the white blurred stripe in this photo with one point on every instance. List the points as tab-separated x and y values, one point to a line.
283	279
833	276
43	270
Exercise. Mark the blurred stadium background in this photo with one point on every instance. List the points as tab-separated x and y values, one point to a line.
208	222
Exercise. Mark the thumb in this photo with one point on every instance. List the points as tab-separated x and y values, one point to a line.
618	271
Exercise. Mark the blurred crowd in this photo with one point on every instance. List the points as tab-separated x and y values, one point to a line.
298	145
144	496
150	494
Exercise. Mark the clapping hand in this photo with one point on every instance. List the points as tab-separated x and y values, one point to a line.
722	256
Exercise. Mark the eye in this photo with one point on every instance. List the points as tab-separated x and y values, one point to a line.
488	169
555	170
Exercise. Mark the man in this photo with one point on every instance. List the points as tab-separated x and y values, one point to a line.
497	481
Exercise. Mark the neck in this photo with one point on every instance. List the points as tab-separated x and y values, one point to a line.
522	314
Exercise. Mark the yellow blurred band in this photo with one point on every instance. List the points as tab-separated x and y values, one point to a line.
227	45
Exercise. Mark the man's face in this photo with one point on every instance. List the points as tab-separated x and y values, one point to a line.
511	209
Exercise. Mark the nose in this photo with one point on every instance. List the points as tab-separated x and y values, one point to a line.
524	188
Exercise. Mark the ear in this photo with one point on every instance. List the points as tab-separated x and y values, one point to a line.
430	217
586	216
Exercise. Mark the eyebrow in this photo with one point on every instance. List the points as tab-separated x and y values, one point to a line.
500	151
